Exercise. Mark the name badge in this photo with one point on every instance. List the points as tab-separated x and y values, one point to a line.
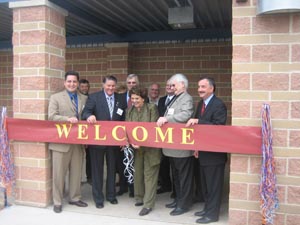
171	111
120	112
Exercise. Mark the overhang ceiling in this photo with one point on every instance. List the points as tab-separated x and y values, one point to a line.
96	21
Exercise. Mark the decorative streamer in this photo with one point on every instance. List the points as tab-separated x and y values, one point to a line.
268	189
128	161
7	175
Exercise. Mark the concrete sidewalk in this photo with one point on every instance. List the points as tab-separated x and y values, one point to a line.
124	213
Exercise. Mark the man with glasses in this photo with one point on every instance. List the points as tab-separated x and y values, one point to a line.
154	89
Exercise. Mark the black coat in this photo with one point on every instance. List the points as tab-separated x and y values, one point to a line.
215	114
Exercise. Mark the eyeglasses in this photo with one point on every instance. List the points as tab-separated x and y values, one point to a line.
131	82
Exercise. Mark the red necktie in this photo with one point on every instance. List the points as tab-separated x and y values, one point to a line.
129	103
202	109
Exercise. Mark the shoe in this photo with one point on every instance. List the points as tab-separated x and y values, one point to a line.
139	204
119	193
57	208
162	190
99	205
114	201
171	205
205	220
178	211
79	203
200	213
145	211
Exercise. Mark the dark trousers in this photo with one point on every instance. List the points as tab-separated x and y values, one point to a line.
164	174
97	161
212	180
88	164
120	170
182	169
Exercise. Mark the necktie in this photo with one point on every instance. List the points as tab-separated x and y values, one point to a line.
129	103
202	109
74	105
167	101
110	105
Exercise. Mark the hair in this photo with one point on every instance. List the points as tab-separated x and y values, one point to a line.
84	81
130	76
180	78
109	77
158	85
73	73
211	82
121	88
142	92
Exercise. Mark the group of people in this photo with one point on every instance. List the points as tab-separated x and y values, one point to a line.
135	104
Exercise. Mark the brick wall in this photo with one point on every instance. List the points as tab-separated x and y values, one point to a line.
6	80
266	69
156	63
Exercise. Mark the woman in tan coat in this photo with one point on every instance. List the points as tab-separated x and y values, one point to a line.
146	159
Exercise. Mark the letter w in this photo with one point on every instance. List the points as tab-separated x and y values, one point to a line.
63	129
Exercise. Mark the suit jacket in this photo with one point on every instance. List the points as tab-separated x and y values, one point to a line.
60	109
215	114
179	110
96	105
161	105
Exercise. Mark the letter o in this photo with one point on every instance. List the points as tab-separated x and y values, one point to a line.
134	133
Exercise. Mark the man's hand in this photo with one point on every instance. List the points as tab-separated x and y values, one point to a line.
73	120
161	121
91	119
191	122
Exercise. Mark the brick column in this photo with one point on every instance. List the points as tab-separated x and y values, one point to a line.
266	69
39	60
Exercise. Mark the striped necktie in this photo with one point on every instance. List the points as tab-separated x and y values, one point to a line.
74	105
110	105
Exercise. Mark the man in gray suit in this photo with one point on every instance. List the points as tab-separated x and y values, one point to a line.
180	110
67	105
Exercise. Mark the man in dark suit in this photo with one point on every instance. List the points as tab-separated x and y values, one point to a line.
164	170
105	105
67	105
211	110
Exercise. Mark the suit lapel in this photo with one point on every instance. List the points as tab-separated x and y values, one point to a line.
103	102
67	99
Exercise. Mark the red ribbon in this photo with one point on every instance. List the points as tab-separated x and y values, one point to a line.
231	139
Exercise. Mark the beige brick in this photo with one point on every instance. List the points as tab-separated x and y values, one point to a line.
284	95
26	116
243	11
248	40
284	67
246	122
28	184
25	26
44	163
246	95
51	27
285	38
25	49
246	205
26	162
246	178
286	152
45	185
25	71
289	209
50	49
250	67
25	94
51	72
288	180
288	124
